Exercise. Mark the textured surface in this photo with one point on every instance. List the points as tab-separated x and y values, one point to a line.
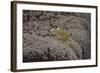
50	36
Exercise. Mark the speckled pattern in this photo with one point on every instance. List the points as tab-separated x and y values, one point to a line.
55	36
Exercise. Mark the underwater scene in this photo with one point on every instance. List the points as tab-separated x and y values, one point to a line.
56	36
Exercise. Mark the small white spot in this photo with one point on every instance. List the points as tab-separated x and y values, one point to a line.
52	29
58	28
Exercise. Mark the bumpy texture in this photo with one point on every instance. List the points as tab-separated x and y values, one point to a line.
55	36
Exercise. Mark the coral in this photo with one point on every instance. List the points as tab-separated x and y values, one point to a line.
55	36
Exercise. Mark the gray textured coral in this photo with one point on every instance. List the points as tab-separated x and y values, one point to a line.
39	44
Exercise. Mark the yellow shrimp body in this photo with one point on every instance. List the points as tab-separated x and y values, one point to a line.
60	34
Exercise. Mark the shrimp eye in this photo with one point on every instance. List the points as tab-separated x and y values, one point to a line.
58	28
